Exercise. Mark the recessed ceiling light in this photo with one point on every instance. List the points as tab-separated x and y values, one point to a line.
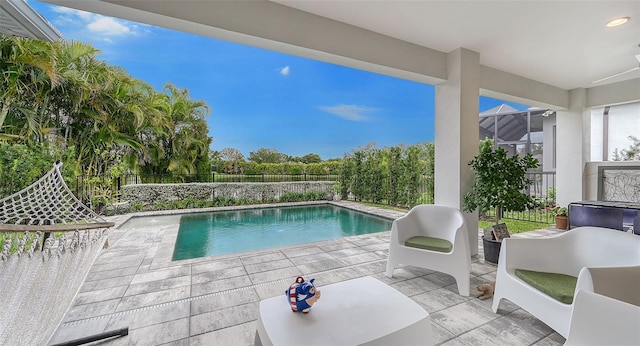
617	21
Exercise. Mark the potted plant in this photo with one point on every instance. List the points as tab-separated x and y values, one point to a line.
499	184
561	217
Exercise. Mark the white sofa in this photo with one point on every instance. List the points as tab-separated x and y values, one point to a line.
434	221
600	320
571	253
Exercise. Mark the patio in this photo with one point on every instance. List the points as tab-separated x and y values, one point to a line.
214	300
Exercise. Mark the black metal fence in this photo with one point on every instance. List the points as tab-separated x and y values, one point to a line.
543	192
98	190
103	190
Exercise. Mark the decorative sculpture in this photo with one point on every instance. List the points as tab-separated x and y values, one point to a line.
302	295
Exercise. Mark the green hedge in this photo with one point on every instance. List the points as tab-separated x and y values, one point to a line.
328	167
397	176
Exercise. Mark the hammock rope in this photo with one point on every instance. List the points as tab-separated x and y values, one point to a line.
49	242
49	206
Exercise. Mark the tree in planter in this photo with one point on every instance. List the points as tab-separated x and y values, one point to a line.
500	181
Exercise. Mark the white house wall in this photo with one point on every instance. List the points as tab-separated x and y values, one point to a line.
623	121
597	134
548	144
571	151
457	135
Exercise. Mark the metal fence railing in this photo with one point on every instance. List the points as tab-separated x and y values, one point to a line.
543	192
102	190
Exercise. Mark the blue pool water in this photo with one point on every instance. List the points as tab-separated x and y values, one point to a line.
218	233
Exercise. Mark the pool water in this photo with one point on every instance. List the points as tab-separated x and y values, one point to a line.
218	233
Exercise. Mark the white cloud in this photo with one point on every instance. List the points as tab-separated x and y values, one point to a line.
106	27
85	16
285	70
349	112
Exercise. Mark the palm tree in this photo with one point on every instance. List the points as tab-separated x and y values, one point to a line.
59	92
178	135
28	70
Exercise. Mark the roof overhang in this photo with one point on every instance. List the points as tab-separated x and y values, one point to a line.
17	18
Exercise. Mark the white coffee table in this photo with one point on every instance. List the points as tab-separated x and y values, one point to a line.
362	311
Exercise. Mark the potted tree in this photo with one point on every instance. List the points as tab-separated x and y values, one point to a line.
499	184
561	217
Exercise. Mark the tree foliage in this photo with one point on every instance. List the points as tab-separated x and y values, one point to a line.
250	168
271	161
309	158
60	95
231	154
265	155
630	154
23	164
500	181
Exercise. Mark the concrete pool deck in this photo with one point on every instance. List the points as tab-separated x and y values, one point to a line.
214	300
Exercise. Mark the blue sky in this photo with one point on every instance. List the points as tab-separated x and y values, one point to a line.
260	98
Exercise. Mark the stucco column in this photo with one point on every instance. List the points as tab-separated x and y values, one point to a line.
573	136
457	134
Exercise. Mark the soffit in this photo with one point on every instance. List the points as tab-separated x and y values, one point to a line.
17	18
561	43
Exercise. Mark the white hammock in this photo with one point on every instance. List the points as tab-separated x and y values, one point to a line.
47	205
38	281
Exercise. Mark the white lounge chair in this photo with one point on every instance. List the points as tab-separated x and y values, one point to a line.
433	237
573	257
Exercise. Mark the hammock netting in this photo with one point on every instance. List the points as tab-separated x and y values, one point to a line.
47	205
49	241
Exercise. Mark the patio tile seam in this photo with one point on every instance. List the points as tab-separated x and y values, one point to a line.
191	336
456	336
499	316
208	295
541	332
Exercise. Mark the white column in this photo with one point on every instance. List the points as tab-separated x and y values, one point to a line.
548	154
457	134
573	137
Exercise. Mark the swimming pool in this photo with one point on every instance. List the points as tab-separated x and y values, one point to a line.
225	232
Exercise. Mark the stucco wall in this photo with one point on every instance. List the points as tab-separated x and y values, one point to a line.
148	194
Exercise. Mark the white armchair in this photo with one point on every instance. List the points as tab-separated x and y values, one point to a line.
433	237
579	253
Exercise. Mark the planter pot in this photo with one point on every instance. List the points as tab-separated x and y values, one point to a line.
561	222
491	250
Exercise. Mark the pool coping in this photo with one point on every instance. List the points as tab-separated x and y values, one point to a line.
163	258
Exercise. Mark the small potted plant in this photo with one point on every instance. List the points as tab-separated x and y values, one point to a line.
561	216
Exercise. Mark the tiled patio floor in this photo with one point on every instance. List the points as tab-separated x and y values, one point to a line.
214	300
